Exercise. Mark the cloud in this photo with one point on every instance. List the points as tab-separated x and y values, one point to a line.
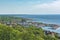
31	7
52	7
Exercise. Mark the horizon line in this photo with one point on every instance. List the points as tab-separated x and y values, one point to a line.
29	14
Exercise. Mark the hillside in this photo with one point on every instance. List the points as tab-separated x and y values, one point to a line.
15	28
23	33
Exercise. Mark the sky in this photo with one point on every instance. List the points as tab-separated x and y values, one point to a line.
29	6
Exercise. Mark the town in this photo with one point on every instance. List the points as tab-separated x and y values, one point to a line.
14	21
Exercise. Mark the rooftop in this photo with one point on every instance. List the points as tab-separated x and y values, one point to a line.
51	29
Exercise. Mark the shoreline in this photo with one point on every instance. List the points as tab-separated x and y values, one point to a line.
30	20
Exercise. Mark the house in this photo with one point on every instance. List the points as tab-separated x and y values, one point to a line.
37	24
57	31
49	31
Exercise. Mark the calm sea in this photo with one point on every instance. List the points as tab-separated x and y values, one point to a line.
49	19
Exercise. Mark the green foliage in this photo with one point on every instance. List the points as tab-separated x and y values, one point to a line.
4	19
8	33
22	33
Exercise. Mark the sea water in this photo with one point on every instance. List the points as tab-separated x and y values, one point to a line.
49	19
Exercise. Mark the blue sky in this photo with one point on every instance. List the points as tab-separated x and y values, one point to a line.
29	7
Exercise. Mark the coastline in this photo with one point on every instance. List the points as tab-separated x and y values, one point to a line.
48	19
12	21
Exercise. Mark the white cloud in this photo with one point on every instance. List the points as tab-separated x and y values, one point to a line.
53	7
35	8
